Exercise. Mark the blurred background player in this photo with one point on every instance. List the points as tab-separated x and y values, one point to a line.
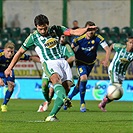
47	89
75	26
118	67
6	56
85	53
54	65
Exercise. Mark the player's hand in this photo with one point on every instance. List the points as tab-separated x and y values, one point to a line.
104	63
90	28
8	72
1	82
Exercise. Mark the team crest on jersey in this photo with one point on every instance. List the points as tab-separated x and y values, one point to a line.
93	41
123	60
51	43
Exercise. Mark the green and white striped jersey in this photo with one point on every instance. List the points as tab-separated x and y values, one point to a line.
67	51
121	60
48	47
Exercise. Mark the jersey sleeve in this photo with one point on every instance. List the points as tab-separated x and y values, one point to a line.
102	41
118	46
28	42
75	41
57	30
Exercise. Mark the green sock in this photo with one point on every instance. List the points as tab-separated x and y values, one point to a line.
57	105
61	94
45	89
60	91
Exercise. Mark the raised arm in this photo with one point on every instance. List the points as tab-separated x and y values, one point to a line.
78	31
107	56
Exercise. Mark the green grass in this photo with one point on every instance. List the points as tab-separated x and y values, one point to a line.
23	118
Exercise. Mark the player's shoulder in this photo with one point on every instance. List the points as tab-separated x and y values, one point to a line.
80	37
1	52
119	45
98	36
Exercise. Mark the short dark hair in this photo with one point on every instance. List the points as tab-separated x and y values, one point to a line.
90	23
75	21
41	20
130	37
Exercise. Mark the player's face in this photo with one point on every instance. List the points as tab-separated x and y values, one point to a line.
43	29
130	44
91	32
8	52
75	24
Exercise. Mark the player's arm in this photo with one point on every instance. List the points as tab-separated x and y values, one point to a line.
1	82
35	58
78	31
107	55
111	47
75	44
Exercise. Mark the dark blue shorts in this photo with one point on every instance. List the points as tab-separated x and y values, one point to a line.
84	69
2	75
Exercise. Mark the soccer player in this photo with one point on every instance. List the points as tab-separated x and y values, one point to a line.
56	68
47	88
118	67
85	53
6	56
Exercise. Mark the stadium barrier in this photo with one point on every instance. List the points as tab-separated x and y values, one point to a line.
95	90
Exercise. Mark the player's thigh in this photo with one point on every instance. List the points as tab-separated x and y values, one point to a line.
10	85
51	67
67	72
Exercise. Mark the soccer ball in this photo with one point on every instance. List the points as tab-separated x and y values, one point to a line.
114	92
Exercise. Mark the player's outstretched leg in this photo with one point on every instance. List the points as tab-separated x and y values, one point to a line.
60	100
102	104
6	100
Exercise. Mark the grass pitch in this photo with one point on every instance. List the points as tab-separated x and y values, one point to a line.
22	117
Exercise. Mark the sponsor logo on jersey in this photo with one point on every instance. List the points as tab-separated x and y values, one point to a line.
123	60
51	43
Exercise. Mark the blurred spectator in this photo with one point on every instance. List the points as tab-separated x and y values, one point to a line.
75	25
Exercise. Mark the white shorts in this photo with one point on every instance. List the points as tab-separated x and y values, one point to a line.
59	66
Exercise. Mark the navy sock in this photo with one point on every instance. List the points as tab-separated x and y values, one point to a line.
82	90
74	92
7	96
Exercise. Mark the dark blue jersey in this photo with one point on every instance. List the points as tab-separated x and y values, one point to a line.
4	62
87	48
